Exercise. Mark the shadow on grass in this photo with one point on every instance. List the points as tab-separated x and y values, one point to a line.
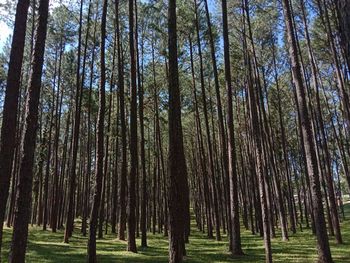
47	247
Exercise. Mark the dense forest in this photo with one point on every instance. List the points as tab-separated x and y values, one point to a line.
175	130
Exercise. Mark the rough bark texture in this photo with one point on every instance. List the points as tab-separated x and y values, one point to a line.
344	27
133	136
324	252
24	194
235	238
143	223
123	176
176	162
99	144
8	127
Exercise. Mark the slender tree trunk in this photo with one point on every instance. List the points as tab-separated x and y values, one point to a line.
72	171
177	163
106	168
207	128
59	102
259	153
235	238
201	154
276	181
328	170
344	95
143	154
115	180
123	176
99	144
9	112
343	11
89	139
23	199
324	252
48	170
223	139
133	136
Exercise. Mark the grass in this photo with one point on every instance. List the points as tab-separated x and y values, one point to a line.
45	247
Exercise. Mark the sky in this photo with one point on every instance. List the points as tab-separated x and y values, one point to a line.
5	31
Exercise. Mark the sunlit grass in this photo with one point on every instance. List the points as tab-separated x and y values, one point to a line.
45	246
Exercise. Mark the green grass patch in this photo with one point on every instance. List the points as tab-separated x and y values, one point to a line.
45	247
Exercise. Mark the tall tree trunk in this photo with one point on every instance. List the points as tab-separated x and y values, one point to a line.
343	10
123	176
177	163
207	128
24	194
223	139
115	180
106	168
328	170
76	129
47	169
283	220
9	112
89	139
133	136
259	153
202	157
142	150
59	102
235	237
99	143
324	253
343	92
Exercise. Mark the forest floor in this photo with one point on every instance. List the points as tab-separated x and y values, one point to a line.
45	246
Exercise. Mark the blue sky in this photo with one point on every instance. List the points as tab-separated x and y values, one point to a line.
5	31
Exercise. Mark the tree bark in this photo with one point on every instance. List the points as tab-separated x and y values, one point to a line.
123	176
328	170
75	140
176	162
324	253
9	112
142	152
99	143
133	136
207	129
23	199
343	10
235	237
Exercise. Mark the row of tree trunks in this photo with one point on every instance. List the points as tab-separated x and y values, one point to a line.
254	172
309	144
